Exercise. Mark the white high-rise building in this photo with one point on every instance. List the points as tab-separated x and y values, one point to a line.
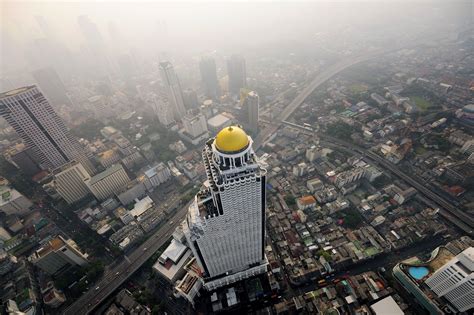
162	109
70	182
195	124
455	281
109	182
175	93
31	115
225	226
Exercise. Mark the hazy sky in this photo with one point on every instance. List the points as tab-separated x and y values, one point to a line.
197	27
202	22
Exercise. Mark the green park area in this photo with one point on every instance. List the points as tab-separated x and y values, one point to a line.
358	88
421	103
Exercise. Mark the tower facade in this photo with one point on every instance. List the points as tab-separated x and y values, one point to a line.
207	67
31	115
237	74
173	87
225	226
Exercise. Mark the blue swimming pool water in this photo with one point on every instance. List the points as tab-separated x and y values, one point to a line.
418	272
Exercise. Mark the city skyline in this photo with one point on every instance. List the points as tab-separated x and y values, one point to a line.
264	157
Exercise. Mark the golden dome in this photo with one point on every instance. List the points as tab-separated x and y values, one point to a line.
231	139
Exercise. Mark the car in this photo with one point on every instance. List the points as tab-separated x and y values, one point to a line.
171	222
97	288
144	249
117	273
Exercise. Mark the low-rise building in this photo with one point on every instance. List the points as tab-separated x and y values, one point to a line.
170	265
134	190
314	185
156	176
13	202
306	202
58	253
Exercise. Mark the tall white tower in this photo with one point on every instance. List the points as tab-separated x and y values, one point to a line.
175	93
225	226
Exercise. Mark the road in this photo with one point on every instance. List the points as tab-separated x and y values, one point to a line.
120	273
450	212
385	260
447	210
300	98
329	73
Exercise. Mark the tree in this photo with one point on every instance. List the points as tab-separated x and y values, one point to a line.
325	254
94	270
89	129
352	218
290	200
340	130
156	310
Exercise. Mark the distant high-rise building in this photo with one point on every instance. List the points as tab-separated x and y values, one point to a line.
52	86
190	99
237	74
162	109
127	67
95	47
250	111
455	281
173	87
44	26
90	32
207	67
195	124
100	106
225	226
42	130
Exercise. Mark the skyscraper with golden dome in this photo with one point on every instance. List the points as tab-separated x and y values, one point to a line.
225	226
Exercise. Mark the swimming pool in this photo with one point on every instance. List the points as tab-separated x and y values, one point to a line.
418	272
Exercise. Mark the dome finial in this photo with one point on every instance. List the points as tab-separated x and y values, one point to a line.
231	139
